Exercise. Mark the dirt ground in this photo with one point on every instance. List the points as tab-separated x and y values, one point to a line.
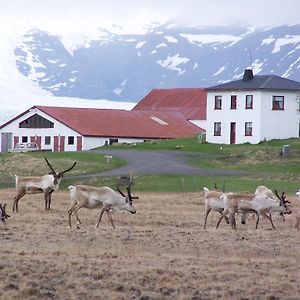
162	252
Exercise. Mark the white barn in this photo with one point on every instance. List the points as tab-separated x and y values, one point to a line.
253	109
76	129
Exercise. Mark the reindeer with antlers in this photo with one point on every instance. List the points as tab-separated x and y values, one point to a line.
45	184
258	203
104	198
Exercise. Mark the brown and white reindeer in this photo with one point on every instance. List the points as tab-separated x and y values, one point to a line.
213	201
45	184
104	198
259	203
3	214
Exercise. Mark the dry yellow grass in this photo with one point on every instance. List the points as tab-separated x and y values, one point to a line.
162	252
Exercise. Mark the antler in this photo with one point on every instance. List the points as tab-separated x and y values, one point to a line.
49	165
282	197
69	168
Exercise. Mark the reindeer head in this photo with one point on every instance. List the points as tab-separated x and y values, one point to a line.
58	175
129	198
3	214
283	202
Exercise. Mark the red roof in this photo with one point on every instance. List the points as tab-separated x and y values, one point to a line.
122	123
191	102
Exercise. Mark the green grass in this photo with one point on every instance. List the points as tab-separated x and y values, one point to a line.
262	163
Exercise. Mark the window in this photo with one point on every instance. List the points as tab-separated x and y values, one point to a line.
70	140
233	102
249	101
218	102
217	128
248	128
47	140
278	103
36	121
24	139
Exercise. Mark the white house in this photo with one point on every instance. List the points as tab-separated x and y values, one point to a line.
253	109
75	129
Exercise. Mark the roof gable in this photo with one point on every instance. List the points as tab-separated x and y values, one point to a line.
190	102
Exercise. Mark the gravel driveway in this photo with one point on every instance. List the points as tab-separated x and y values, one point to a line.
159	162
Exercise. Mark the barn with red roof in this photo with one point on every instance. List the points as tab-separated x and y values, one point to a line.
162	114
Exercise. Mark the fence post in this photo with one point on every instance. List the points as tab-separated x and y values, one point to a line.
182	184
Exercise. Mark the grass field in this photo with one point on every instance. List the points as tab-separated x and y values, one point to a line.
263	164
161	252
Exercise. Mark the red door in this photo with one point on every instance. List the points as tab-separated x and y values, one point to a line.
232	133
62	143
36	139
55	143
79	143
16	140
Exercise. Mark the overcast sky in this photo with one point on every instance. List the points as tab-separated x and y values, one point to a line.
78	15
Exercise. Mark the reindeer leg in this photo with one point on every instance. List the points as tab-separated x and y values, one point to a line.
16	200
49	198
77	218
232	220
224	213
104	208
110	219
206	215
257	220
269	217
74	210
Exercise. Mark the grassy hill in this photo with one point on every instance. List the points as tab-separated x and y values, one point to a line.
263	163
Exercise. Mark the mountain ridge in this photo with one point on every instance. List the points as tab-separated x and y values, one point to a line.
125	67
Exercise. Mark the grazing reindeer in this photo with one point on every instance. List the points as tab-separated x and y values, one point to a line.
260	204
104	198
3	214
213	201
46	184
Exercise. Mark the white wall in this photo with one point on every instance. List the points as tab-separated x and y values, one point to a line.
58	130
277	124
200	123
266	123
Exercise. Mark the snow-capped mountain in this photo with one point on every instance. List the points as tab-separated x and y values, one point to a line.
125	67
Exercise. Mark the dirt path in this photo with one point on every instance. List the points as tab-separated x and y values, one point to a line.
159	162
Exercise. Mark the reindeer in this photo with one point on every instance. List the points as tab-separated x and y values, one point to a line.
259	203
3	214
213	201
104	198
45	184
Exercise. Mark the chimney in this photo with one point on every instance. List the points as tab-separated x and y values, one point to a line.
248	75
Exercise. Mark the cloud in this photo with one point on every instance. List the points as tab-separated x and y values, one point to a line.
78	15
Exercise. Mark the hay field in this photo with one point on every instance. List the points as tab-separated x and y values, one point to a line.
162	252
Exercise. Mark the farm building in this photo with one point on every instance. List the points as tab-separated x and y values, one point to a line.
190	102
253	109
75	129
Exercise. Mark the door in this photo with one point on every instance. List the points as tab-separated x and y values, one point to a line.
55	143
232	132
6	141
79	143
